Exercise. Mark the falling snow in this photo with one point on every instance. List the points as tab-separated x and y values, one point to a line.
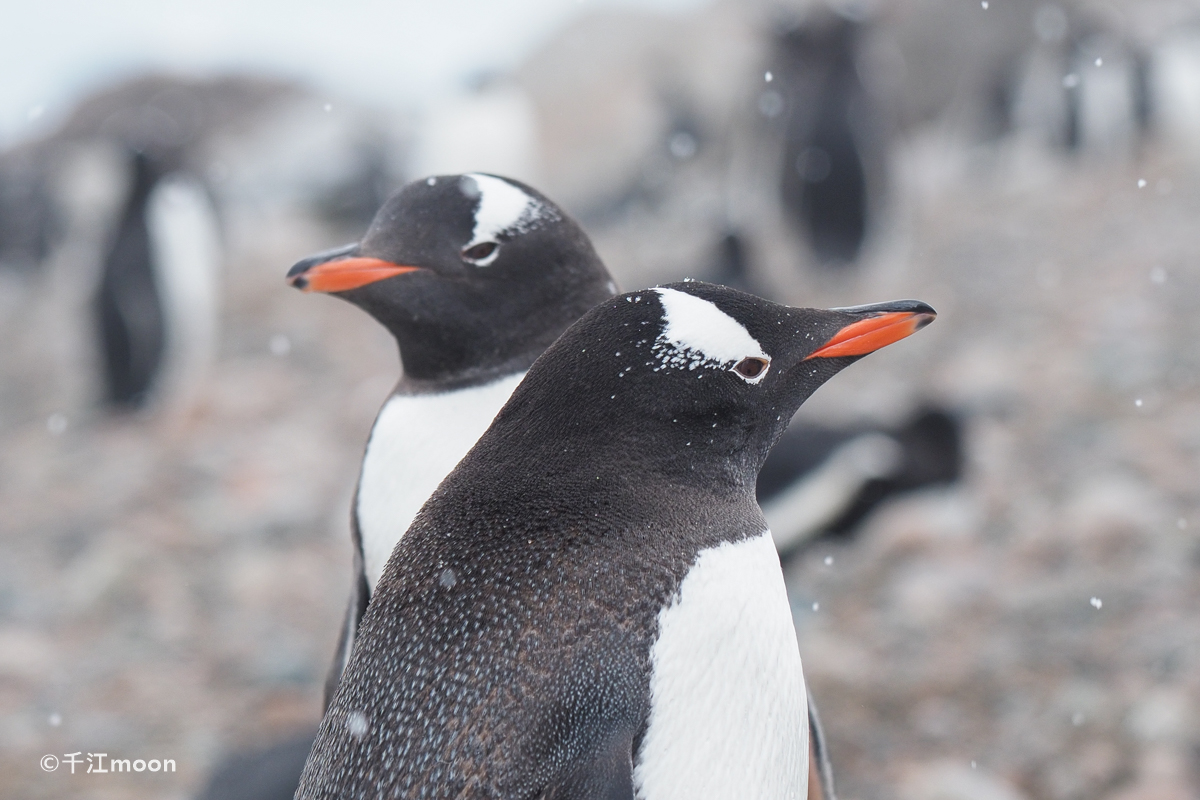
357	725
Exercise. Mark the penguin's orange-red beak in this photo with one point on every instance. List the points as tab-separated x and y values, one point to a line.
343	274
884	326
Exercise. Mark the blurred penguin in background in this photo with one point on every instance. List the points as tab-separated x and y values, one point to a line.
833	136
129	185
824	481
1175	87
1108	97
1082	87
129	311
156	303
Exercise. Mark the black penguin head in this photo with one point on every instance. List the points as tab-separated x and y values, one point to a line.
469	272
693	379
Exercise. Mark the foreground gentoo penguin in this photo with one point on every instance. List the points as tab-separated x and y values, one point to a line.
590	604
473	297
475	276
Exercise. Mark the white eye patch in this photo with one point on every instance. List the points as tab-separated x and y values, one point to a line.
697	334
502	208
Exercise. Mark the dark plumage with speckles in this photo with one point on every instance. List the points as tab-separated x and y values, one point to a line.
507	651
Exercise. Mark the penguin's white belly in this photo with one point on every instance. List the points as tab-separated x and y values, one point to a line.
728	708
415	443
185	241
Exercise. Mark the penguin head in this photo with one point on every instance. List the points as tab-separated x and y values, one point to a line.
469	272
695	378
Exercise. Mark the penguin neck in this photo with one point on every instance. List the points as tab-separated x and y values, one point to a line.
599	485
587	443
440	360
437	355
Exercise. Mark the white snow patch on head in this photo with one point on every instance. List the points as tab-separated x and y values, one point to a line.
503	208
698	334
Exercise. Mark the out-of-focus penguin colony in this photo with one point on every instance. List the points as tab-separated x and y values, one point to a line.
181	431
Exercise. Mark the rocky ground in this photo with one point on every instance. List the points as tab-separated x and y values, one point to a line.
1032	634
172	585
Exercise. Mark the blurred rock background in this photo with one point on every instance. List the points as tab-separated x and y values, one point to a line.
173	579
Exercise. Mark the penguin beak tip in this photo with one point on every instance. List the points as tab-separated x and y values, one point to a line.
883	324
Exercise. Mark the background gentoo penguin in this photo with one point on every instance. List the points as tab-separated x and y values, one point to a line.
591	605
822	480
475	275
128	308
835	147
156	303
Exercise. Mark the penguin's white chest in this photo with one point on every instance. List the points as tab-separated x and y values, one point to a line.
415	443
728	707
185	240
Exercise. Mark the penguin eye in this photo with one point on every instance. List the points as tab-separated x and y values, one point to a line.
751	368
482	253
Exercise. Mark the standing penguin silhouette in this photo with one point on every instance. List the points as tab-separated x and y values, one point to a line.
590	605
834	145
128	307
156	303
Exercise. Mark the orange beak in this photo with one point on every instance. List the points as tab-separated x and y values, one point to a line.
879	330
343	274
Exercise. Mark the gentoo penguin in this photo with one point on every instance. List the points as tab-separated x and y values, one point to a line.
834	138
128	308
590	605
156	303
824	480
475	275
472	297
